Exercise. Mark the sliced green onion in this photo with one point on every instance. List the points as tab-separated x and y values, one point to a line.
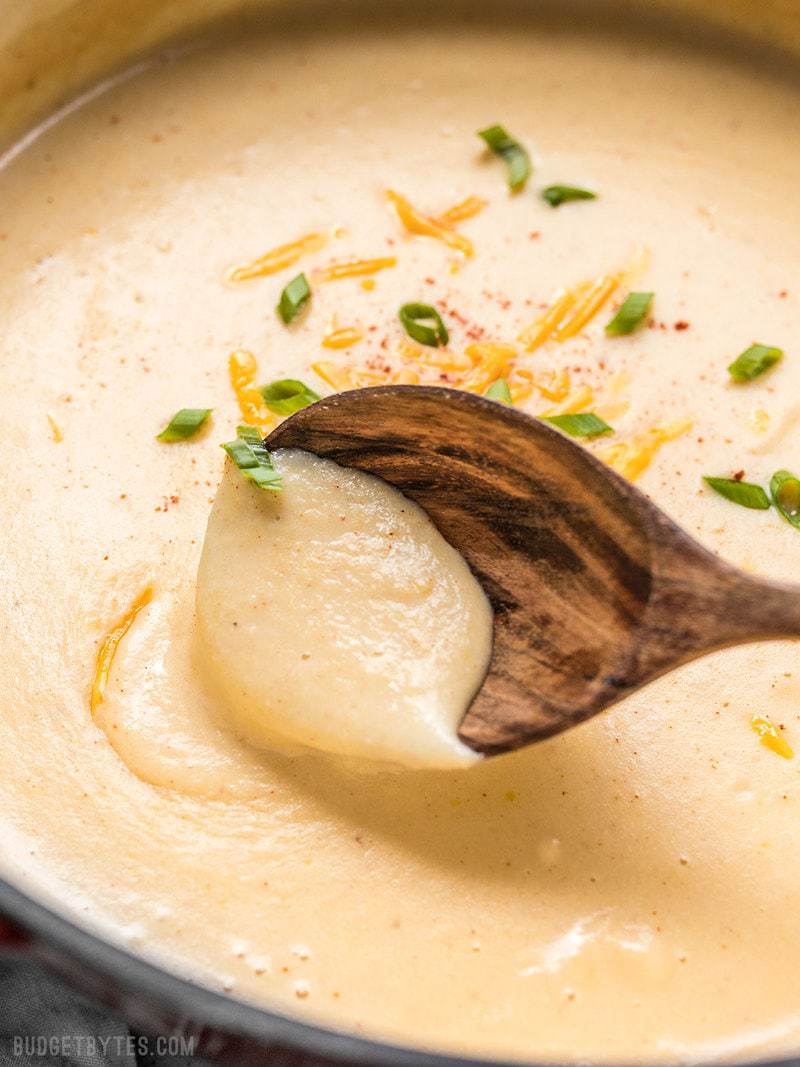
499	391
744	493
785	489
252	458
555	195
184	424
415	317
753	362
516	157
253	437
288	395
293	297
631	314
583	425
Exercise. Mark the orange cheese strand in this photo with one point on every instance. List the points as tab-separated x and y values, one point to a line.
771	737
587	306
578	400
110	644
426	226
278	258
467	209
55	430
242	369
520	383
540	331
630	458
490	360
569	311
341	377
405	377
354	268
343	337
555	385
443	359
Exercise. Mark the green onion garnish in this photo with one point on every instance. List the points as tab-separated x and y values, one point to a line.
555	195
753	362
252	458
293	297
184	424
288	395
744	493
499	391
631	314
584	425
516	157
785	489
414	318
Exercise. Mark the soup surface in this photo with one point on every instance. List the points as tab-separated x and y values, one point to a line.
626	890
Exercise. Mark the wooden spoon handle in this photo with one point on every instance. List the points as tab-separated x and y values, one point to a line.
712	608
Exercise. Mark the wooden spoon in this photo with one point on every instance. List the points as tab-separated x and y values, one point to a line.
595	590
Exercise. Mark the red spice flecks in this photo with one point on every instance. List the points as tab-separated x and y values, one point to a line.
475	332
783	294
460	319
738	476
429	281
681	324
535	234
378	364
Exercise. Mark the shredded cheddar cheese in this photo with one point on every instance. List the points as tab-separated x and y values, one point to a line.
343	337
589	303
55	430
466	209
242	369
426	226
341	377
630	458
490	360
570	311
442	359
110	644
578	400
555	385
612	405
278	258
771	737
353	268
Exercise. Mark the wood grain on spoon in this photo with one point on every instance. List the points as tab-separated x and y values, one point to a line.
595	590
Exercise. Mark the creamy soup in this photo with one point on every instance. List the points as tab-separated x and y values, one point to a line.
627	890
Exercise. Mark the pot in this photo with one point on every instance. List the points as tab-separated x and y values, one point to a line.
52	51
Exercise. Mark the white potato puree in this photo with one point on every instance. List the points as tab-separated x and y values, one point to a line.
627	891
333	614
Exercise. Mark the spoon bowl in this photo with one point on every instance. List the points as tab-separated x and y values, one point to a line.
595	591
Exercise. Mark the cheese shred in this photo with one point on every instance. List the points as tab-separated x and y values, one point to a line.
630	458
570	311
278	258
242	370
415	222
110	644
353	268
343	337
771	737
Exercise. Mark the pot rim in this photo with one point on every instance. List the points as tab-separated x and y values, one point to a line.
224	1016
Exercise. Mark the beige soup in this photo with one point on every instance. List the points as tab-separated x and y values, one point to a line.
625	891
